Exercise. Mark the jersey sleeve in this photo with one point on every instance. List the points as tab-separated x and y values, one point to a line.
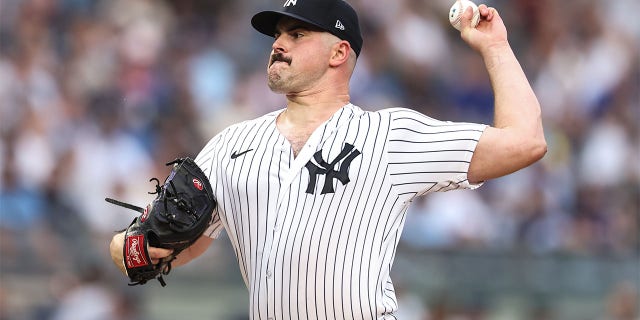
206	160
428	155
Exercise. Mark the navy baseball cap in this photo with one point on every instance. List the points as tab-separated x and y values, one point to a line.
334	16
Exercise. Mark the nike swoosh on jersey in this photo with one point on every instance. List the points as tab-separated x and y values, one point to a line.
236	154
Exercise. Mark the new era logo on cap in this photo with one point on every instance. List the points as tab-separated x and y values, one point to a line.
334	16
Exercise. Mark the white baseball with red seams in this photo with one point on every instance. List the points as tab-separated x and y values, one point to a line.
458	8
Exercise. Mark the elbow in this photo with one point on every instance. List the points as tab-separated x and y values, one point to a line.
537	149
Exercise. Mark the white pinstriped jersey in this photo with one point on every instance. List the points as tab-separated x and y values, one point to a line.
315	235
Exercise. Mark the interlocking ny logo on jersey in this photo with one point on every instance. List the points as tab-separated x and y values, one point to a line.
317	166
290	3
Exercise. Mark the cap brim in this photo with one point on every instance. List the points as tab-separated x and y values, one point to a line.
265	22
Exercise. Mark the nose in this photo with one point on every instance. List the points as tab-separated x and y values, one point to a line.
278	45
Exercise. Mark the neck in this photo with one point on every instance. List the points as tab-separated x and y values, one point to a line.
301	118
314	106
306	111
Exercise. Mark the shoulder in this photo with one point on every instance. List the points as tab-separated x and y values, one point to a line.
400	113
405	117
234	134
397	117
248	124
356	112
396	113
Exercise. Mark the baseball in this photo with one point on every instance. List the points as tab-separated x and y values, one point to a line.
458	8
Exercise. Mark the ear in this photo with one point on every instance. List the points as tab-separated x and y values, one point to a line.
340	53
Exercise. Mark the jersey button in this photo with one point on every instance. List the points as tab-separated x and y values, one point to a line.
269	274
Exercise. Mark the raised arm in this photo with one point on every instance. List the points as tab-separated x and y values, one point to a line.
516	139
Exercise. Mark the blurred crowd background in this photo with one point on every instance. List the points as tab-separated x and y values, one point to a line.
95	96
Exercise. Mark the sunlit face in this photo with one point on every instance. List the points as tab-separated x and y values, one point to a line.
299	56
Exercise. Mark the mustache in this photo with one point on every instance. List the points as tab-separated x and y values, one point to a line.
279	57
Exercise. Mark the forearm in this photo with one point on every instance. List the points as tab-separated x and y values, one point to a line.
516	105
192	252
516	139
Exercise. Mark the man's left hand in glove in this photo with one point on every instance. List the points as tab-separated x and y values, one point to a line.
173	222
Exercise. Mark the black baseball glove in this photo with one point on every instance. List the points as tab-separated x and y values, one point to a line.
177	217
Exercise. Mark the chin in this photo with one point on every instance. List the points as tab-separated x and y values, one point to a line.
276	85
276	90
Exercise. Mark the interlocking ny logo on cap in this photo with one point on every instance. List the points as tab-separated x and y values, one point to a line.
290	3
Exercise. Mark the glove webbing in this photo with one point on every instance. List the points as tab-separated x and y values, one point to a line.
132	207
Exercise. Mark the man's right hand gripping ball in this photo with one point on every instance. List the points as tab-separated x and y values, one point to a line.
177	217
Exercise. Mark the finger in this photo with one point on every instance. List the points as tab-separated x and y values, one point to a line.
490	14
465	19
159	253
484	10
494	12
